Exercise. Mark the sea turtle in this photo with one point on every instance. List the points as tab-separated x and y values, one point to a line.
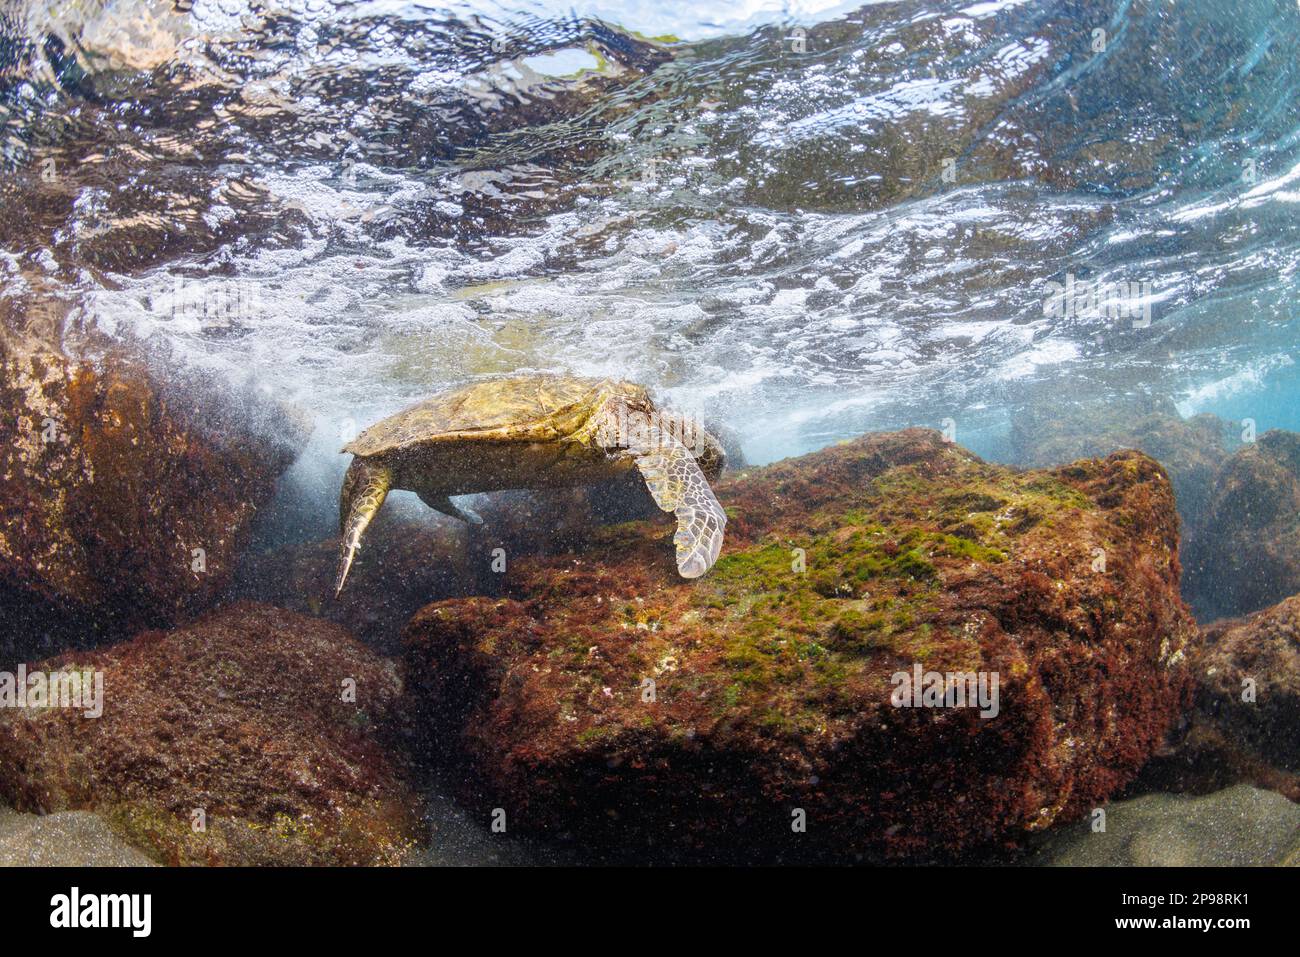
534	431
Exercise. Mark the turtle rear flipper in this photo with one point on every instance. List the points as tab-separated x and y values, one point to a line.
444	504
678	485
364	489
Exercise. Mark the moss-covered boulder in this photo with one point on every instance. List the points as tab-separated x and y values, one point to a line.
1248	682
125	502
604	697
1192	451
1245	555
263	726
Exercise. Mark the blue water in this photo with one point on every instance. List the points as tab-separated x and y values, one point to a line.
807	220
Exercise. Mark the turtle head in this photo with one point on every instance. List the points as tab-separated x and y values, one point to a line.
710	455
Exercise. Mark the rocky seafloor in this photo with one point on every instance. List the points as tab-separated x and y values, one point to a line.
586	703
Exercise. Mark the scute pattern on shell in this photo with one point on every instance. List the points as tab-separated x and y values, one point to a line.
519	407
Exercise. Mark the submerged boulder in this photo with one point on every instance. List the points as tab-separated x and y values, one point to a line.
1191	450
1248	676
252	736
123	499
767	705
1245	555
404	565
1203	755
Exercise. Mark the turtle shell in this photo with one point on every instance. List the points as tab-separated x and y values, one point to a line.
533	408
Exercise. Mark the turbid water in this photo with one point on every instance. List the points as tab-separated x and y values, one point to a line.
353	204
804	220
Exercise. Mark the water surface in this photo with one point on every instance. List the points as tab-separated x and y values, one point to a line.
354	204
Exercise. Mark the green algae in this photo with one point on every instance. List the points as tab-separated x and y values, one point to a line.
355	836
914	563
598	732
861	588
817	613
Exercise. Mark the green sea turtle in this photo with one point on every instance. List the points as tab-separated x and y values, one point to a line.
535	431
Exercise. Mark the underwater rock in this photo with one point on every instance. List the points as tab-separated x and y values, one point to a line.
1240	826
604	696
1245	555
124	499
1191	450
260	724
1203	756
405	565
1248	675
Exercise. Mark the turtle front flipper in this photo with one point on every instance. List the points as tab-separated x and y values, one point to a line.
677	485
364	489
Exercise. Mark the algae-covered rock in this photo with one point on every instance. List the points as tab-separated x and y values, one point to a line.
603	696
1245	555
404	565
123	500
1240	826
1191	450
261	725
1245	726
1248	681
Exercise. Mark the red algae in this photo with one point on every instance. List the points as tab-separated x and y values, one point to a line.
264	726
601	694
117	501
